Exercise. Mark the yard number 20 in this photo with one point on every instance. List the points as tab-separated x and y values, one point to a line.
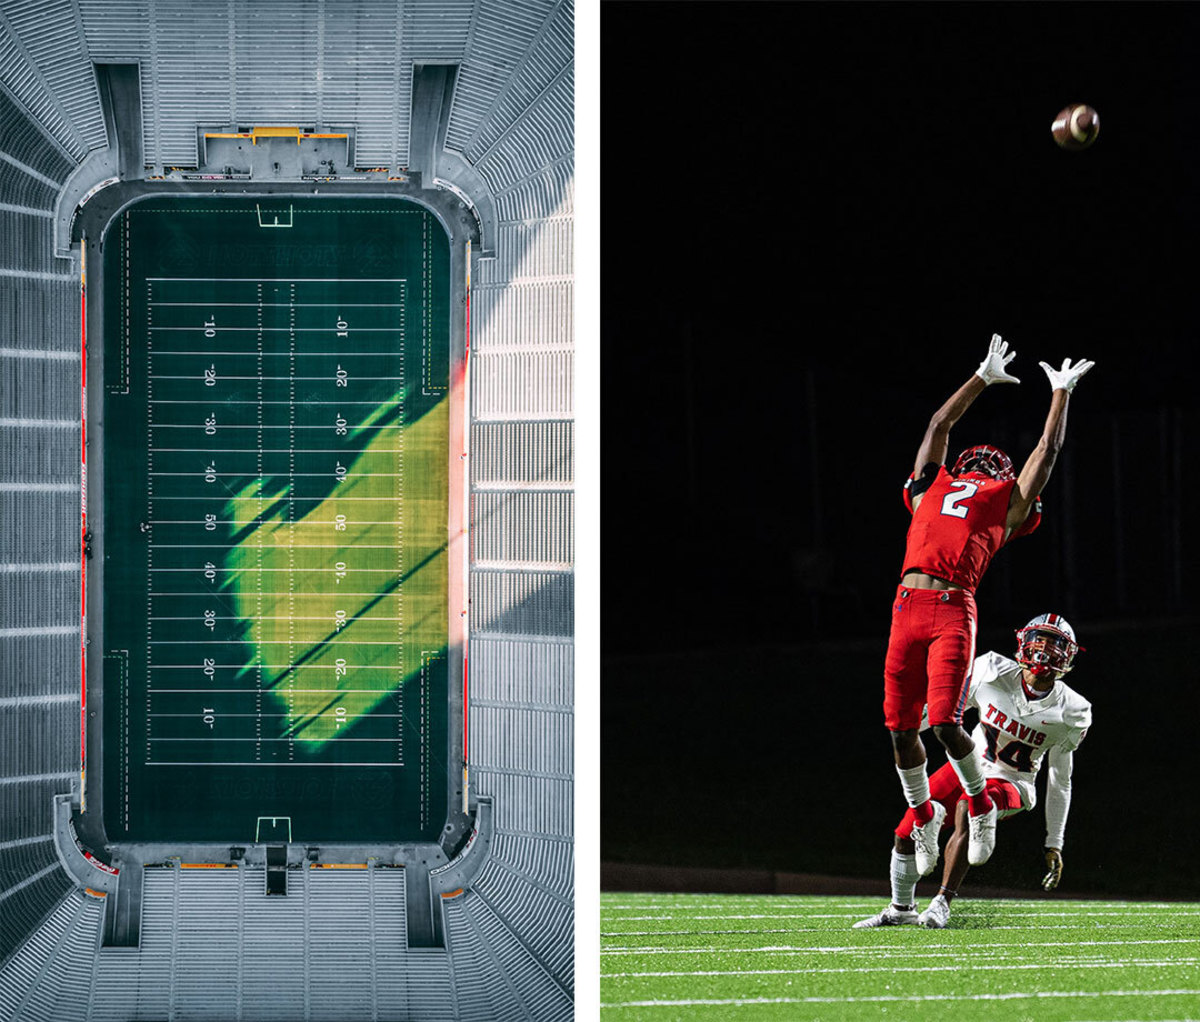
953	504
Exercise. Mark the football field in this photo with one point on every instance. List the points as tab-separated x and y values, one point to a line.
705	957
275	520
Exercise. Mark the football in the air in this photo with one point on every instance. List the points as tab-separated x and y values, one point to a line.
1076	126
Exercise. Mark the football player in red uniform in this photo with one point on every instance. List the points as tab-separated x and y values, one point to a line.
1027	714
961	517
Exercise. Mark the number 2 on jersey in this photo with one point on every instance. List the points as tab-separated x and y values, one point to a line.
953	504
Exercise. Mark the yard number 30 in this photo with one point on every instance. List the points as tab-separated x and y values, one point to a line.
953	503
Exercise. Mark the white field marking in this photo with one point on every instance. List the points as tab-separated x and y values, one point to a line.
257	715
340	500
1139	924
280	305
298	546
876	949
331	643
252	739
283	379
263	521
791	901
267	763
225	402
280	329
264	617
65	356
886	998
266	667
285	280
666	916
252	691
1040	966
264	450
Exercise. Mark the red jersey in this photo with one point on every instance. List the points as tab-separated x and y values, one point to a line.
958	527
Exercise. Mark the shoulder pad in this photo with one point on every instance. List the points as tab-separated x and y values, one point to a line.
918	484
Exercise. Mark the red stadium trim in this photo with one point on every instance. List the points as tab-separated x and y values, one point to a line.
83	525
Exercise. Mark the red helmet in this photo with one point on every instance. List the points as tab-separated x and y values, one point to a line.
988	460
1047	644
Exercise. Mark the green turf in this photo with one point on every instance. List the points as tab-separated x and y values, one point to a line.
708	957
275	519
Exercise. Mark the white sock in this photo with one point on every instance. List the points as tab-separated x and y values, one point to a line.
915	783
970	773
904	878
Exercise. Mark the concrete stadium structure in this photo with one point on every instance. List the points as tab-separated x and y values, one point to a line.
460	102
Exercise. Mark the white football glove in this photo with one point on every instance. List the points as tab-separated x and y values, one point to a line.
992	368
1054	862
1069	375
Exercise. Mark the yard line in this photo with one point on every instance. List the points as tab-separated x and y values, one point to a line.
893	998
225	402
288	715
227	426
279	379
279	617
281	305
252	691
264	450
1039	966
875	948
265	642
285	280
265	667
281	329
255	739
235	546
265	763
851	914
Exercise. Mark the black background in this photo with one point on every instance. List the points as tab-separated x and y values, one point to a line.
814	218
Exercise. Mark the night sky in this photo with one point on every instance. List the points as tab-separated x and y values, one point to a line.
814	218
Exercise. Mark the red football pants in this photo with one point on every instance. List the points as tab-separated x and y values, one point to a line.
930	654
945	787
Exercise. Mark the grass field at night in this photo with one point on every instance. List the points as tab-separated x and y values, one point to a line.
705	957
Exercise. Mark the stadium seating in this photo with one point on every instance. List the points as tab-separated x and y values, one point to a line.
339	937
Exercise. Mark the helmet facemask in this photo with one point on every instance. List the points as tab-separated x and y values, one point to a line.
1045	651
985	460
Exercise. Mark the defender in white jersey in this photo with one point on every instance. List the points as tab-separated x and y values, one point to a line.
1026	715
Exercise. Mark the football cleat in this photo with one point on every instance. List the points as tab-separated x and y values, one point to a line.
937	915
926	840
893	915
981	841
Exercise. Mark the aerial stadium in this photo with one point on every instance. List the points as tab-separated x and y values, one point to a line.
286	484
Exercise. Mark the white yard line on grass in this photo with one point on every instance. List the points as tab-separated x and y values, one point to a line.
886	998
665	917
875	949
1039	966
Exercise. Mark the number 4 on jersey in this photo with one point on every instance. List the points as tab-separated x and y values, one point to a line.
1017	755
954	504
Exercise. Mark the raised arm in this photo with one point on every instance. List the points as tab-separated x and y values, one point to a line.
1036	471
936	441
